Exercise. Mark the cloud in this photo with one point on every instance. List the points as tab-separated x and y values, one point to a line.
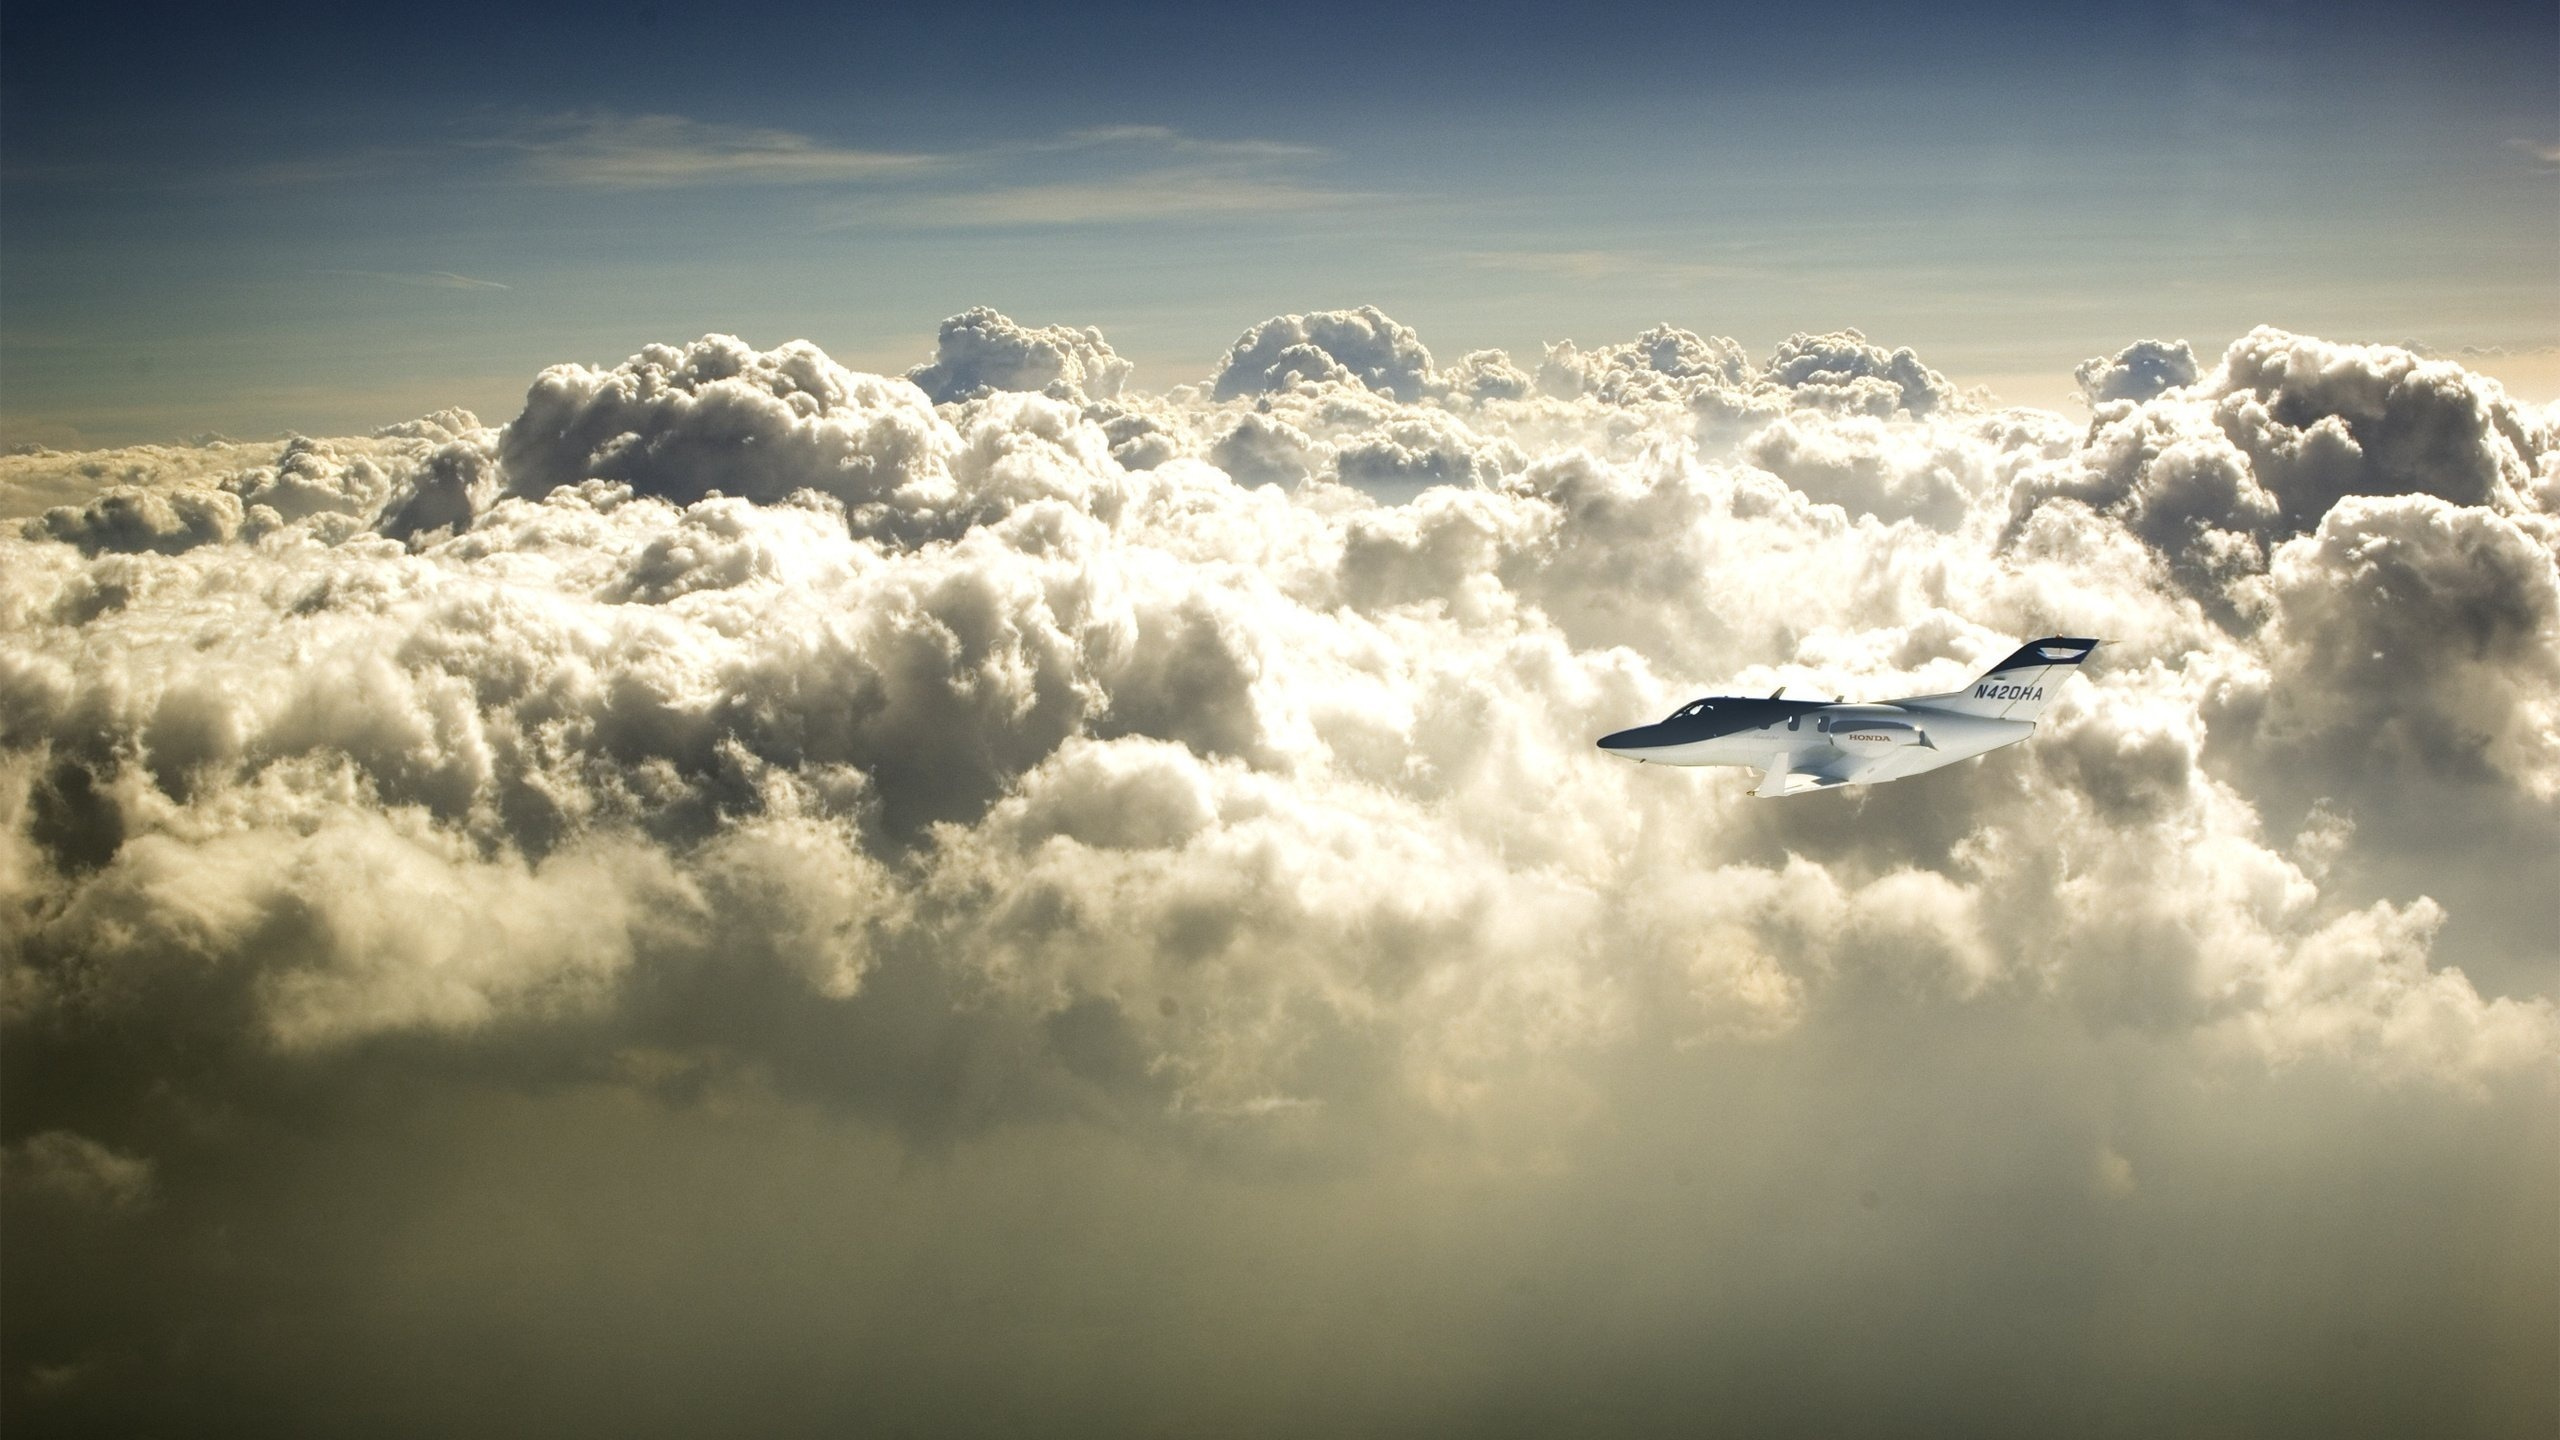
1123	174
981	351
422	279
2140	371
1361	346
1488	375
2280	431
2543	152
1099	175
347	481
1589	265
1166	194
689	492
814	810
132	519
1164	136
1652	366
74	1169
719	417
605	151
36	478
1841	371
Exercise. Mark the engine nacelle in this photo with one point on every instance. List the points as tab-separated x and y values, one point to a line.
1873	735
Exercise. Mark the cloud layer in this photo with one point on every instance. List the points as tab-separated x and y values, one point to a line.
1000	754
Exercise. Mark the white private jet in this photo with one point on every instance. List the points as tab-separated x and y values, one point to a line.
1801	745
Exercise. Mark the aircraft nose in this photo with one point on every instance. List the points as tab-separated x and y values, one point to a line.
1625	739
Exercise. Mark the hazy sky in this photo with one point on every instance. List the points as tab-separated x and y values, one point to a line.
325	219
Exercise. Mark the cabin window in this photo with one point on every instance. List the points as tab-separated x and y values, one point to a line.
1794	721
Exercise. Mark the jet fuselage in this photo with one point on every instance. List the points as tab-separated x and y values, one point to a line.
1885	742
1801	745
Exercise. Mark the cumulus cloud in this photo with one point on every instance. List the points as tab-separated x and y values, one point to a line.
340	487
1361	346
2140	371
720	416
715	584
1488	375
997	753
134	519
1843	372
981	351
1643	365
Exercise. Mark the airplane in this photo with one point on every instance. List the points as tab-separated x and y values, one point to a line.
1802	745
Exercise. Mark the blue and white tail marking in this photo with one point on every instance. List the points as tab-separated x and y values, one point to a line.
2018	687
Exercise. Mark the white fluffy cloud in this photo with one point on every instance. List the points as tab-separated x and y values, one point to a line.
727	713
2140	371
1362	346
716	589
1843	372
1652	365
981	351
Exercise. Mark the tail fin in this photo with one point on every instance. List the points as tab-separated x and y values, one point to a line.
2018	687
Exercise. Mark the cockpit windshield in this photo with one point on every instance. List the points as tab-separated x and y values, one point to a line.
1693	709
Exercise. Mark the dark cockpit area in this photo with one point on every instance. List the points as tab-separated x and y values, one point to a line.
1724	714
1714	715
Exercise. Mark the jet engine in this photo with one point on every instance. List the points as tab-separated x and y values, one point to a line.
1877	735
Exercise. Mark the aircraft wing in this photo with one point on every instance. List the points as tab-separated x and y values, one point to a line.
1784	773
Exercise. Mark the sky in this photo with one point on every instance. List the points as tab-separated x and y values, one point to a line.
884	724
324	220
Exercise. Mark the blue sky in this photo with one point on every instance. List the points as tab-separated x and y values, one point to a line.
325	220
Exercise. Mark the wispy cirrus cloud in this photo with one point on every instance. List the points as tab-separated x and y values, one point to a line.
596	150
2545	153
1167	194
1115	175
1602	265
605	151
1098	175
422	279
1099	137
